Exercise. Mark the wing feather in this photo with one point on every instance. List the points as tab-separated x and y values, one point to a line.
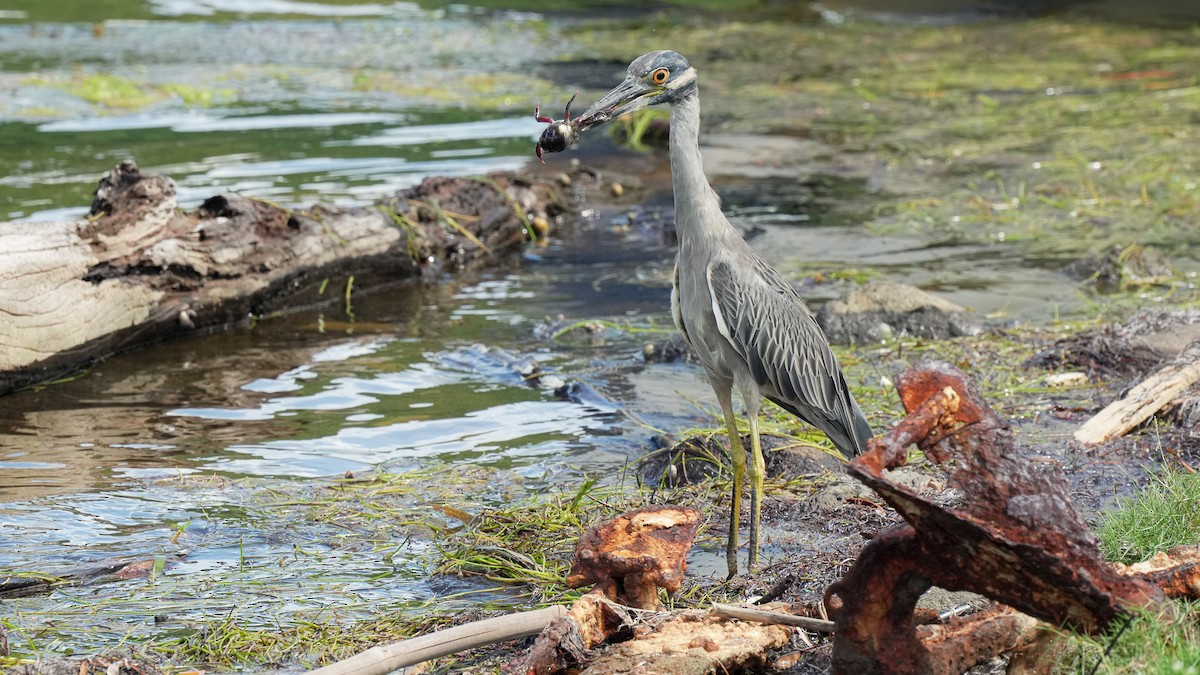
769	326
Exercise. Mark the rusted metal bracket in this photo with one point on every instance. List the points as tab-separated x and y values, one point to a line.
1176	572
632	555
1015	539
628	559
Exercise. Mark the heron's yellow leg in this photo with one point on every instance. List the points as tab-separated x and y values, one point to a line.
737	456
757	469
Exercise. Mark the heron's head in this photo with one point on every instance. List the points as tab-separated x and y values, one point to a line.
652	79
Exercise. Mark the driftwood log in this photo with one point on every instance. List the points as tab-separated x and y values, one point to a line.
391	657
1159	389
139	270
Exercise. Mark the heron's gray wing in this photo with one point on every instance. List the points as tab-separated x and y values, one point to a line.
767	323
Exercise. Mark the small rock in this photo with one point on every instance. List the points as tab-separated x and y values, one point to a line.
1120	268
1073	379
617	190
882	309
669	350
799	460
942	600
910	478
837	494
687	462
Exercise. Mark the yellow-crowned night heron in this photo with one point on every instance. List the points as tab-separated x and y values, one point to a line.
748	325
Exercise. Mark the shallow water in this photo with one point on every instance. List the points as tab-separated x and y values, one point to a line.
296	110
198	446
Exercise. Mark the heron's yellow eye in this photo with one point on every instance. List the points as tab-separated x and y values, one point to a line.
659	76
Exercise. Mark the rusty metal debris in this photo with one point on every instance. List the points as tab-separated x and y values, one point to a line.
629	557
977	638
1015	539
1176	572
681	642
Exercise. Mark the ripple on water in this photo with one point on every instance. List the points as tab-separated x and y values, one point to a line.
470	404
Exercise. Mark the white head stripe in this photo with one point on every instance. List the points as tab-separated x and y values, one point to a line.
681	79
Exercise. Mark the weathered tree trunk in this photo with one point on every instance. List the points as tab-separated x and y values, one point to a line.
139	270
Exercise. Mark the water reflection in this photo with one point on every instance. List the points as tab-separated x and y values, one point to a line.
240	7
347	176
288	401
215	451
343	111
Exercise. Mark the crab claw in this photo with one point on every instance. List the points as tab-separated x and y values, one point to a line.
537	149
567	112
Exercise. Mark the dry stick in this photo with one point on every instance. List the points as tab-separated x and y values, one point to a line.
763	616
1147	398
387	658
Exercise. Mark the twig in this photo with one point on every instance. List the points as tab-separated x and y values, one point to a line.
777	590
387	658
516	208
454	225
763	616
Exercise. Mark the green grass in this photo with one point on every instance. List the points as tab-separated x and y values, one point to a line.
1148	645
1165	513
528	542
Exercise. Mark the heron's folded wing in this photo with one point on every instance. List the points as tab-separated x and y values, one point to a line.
768	324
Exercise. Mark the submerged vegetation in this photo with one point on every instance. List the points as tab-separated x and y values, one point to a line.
1066	134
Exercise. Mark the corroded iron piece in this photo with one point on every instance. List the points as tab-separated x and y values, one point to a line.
1176	572
632	555
1016	538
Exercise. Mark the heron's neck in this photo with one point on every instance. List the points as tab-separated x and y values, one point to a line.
697	207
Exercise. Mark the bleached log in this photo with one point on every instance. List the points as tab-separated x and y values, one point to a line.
764	616
139	270
387	658
1147	398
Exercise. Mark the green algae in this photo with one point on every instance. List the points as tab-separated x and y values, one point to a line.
1061	136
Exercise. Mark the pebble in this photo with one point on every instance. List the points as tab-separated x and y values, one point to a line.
1066	379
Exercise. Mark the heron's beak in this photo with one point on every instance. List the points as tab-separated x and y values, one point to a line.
630	95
